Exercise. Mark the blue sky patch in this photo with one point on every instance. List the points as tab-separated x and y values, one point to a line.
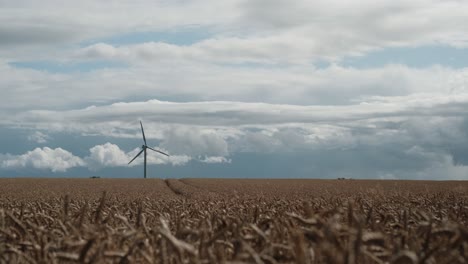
417	57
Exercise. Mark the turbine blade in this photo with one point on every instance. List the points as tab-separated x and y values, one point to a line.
143	132
136	156
158	151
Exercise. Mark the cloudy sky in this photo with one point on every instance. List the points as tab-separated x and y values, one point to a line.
235	88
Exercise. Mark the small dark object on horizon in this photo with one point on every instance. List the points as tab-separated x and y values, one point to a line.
95	177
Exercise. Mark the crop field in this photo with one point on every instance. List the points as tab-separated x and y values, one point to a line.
232	221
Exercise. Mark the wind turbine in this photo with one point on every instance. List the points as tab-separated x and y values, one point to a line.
144	147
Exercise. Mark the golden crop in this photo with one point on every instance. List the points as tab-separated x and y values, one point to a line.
232	221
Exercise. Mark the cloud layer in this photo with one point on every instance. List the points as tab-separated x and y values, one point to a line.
420	134
215	80
299	29
107	155
335	85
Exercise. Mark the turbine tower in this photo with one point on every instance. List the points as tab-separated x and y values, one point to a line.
144	147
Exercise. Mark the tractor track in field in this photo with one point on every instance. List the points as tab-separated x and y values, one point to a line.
184	181
172	188
186	190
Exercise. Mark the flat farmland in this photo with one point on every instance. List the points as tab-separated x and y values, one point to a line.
232	221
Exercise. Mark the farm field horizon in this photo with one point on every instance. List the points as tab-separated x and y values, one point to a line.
194	187
200	220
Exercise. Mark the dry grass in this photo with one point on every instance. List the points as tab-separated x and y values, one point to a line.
232	221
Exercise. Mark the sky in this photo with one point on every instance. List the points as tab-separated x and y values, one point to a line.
235	88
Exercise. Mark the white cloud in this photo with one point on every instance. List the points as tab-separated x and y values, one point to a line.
101	156
429	144
195	122
270	51
194	141
107	155
56	160
157	159
334	85
220	129
110	155
34	23
99	51
215	159
175	160
335	27
38	137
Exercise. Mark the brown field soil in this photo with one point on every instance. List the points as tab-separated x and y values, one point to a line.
232	221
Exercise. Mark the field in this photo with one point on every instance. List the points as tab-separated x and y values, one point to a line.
232	221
